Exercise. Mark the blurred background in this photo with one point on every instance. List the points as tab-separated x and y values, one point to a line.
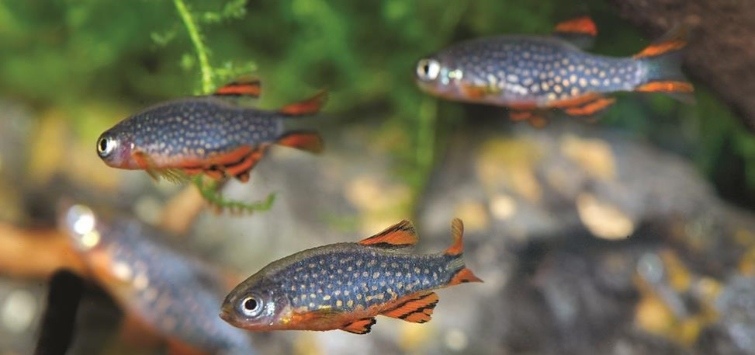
630	235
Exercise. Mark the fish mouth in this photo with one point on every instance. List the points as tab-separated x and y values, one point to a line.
226	314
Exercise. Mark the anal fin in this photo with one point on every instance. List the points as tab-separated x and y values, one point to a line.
536	120
417	308
591	108
241	169
360	326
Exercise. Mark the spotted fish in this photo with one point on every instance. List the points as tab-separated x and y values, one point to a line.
533	74
209	134
346	285
167	290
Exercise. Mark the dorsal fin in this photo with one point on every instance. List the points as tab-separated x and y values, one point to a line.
400	235
243	86
579	31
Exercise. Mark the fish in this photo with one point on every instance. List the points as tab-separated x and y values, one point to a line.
212	135
346	285
532	75
162	287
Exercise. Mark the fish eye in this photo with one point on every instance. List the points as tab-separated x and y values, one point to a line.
105	146
251	306
428	69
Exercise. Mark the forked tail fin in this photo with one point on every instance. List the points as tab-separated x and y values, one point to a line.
662	61
457	250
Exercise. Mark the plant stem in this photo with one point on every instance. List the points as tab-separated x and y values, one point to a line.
196	39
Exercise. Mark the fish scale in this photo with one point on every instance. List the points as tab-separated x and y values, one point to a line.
211	134
200	127
541	69
345	285
534	74
359	277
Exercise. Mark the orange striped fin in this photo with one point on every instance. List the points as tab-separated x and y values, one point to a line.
304	140
245	86
463	276
582	25
673	41
242	168
400	235
309	106
361	326
417	308
457	231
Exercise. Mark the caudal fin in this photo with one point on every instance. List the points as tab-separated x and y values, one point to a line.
303	140
662	61
457	249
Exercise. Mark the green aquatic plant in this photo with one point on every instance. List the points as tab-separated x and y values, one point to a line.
211	190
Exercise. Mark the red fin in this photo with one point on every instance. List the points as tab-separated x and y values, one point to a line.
520	115
242	87
590	108
574	101
243	177
662	62
418	308
666	86
582	25
361	326
462	276
457	249
309	106
457	231
673	41
304	140
537	121
241	168
399	235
